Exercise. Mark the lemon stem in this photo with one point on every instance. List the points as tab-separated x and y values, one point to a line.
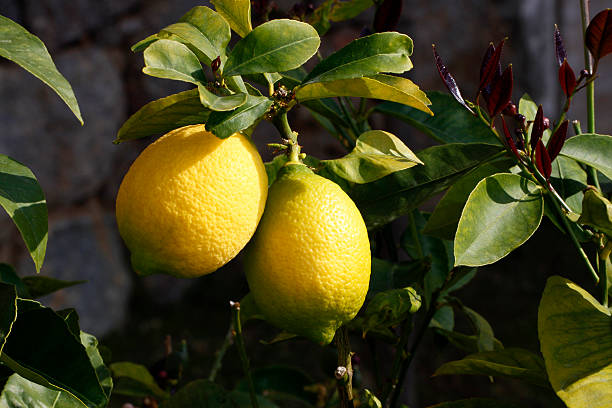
344	372
242	351
219	354
282	124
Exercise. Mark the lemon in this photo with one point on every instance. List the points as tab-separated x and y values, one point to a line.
308	265
191	201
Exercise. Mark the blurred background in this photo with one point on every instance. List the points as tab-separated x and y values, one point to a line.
80	171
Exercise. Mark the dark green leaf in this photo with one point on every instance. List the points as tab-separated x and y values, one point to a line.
243	400
143	44
399	193
237	13
591	149
485	339
365	56
280	383
135	380
474	403
575	333
164	115
466	342
389	275
8	311
444	220
225	124
385	87
8	275
24	201
26	50
387	309
71	318
328	109
444	318
377	153
39	286
220	103
450	123
513	363
62	364
461	276
502	212
278	45
319	18
529	109
200	394
346	10
172	60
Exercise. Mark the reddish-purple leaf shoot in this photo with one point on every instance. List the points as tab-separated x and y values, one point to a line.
448	79
510	140
559	47
490	66
567	79
486	58
501	93
543	160
598	35
557	140
537	129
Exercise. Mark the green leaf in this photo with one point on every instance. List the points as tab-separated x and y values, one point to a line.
466	342
163	115
365	56
399	193
485	339
450	123
280	383
438	252
569	180
502	212
387	309
172	60
220	103
597	212
575	334
143	44
591	149
243	400
201	394
225	124
348	9
28	51
376	154
63	364
278	45
474	403
444	318
24	201
390	275
319	18
528	108
8	311
444	220
19	392
237	13
385	87
39	286
206	30
512	363
135	380
369	400
8	275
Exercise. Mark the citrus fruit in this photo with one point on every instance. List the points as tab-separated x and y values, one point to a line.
191	201
308	265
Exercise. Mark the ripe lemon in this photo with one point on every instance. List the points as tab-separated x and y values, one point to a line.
308	265
191	201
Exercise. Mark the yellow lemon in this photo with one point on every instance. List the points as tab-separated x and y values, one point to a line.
308	265
191	201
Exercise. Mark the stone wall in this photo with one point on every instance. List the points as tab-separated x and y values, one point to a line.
80	169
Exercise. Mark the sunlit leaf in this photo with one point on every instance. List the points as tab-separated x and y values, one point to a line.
591	149
172	60
237	13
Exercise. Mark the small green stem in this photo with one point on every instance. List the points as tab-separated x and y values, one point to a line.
415	235
604	255
344	372
242	351
282	124
577	127
590	88
219	354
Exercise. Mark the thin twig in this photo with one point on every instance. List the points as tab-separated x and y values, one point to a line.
219	354
242	351
344	372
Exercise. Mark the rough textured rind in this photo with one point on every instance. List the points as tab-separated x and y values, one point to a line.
308	266
191	201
